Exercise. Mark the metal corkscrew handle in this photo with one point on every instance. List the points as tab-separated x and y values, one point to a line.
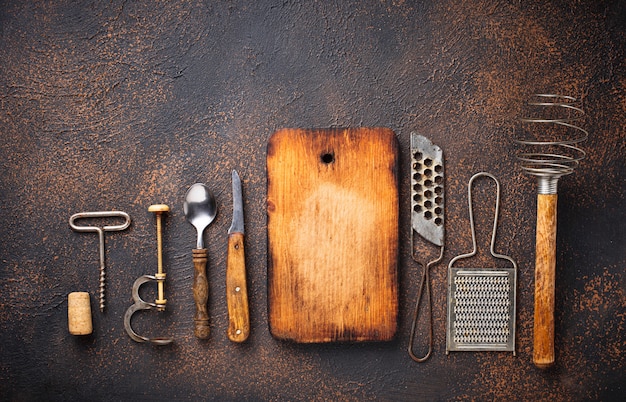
100	231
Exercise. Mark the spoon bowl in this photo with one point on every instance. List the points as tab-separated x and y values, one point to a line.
200	209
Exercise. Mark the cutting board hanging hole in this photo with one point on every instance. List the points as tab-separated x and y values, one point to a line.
328	157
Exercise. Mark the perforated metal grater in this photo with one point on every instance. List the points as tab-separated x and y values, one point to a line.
481	301
427	220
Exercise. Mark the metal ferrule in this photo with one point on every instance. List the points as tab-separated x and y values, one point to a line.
547	184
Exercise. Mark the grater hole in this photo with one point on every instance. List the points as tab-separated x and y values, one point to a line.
417	198
417	176
428	204
417	187
428	162
481	307
417	208
417	156
439	200
438	221
428	172
428	183
428	215
428	194
438	179
438	168
438	190
438	211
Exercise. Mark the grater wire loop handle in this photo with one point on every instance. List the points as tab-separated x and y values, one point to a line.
472	226
481	301
424	284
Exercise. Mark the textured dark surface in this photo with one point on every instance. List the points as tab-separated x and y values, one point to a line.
119	105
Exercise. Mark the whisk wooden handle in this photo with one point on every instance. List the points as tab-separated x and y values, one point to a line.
200	293
545	274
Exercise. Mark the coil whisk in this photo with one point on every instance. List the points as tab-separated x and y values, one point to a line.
550	139
550	142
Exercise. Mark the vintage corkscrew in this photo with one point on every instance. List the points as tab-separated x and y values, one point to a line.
100	231
159	278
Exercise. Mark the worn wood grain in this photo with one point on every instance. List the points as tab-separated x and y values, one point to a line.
200	293
237	289
545	280
332	202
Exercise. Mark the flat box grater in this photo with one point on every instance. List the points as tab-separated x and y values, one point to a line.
481	301
482	315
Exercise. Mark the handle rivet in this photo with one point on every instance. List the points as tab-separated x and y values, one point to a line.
237	289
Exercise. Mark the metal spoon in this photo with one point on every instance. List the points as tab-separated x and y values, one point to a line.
200	209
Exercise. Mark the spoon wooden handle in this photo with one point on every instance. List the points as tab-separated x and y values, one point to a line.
200	293
545	275
236	290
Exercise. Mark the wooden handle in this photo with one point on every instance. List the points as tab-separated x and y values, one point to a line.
200	293
236	290
545	274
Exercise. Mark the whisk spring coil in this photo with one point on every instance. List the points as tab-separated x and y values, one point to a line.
551	158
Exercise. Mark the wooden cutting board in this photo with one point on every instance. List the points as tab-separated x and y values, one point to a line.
332	207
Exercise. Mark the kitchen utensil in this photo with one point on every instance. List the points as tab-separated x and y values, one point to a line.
200	209
100	231
550	150
79	313
481	301
332	207
236	289
427	220
159	278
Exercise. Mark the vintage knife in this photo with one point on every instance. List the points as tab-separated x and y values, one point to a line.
236	289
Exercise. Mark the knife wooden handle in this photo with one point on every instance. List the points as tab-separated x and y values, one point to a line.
236	289
200	293
545	275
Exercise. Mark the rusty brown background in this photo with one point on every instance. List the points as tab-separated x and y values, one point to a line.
122	104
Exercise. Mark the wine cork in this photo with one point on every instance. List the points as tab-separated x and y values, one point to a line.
79	313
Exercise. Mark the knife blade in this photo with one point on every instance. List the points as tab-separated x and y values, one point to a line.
236	289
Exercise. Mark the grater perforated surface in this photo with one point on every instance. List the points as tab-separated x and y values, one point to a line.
427	195
483	308
427	212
